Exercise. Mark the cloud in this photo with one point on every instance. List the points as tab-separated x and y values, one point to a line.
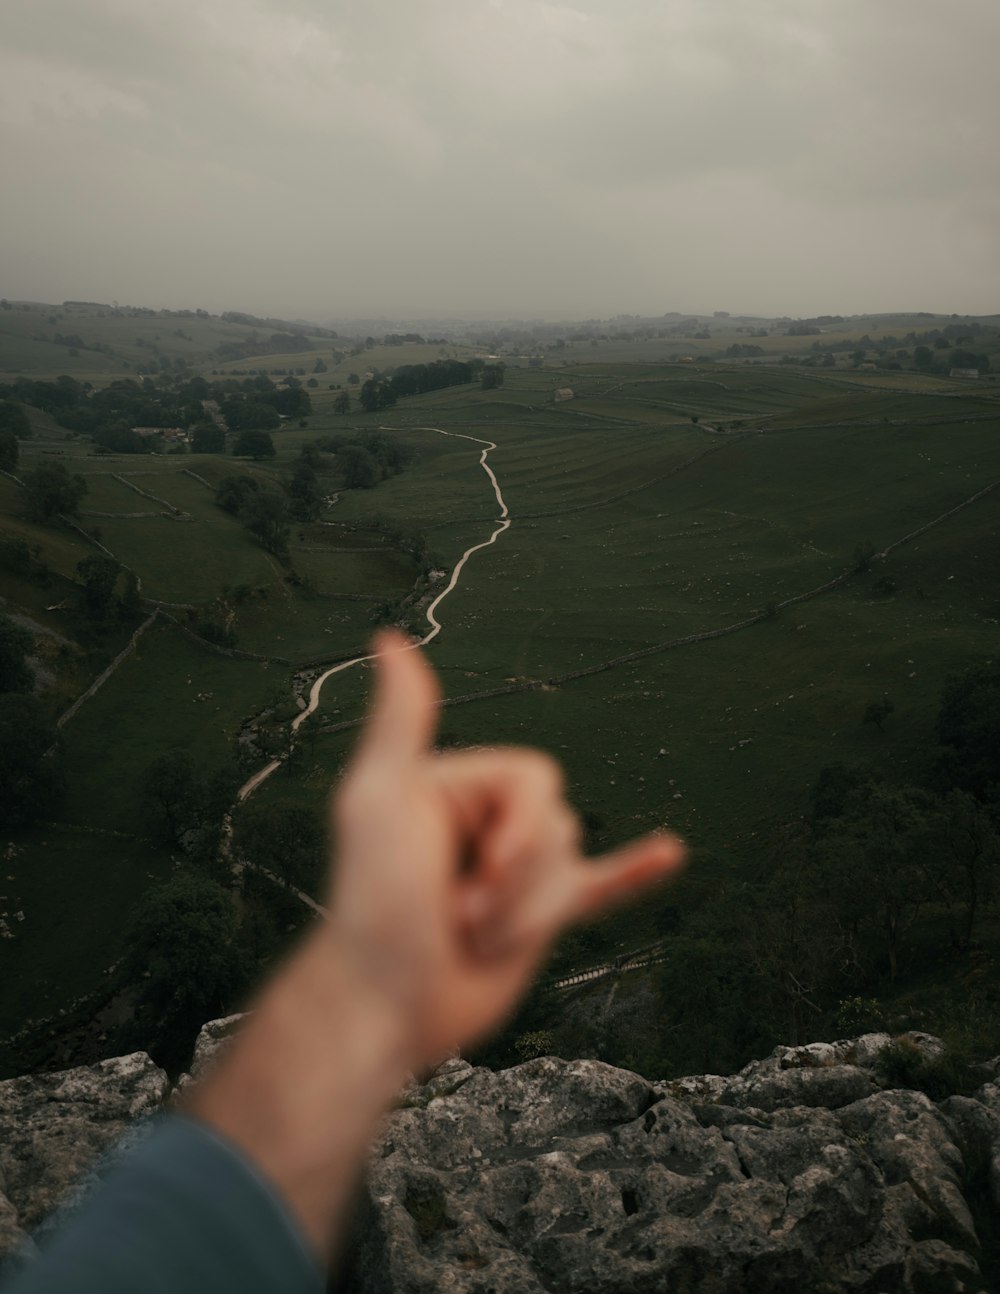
473	154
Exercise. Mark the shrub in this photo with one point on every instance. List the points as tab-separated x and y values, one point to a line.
951	1073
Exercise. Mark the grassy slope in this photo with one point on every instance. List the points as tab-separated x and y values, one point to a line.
757	519
27	344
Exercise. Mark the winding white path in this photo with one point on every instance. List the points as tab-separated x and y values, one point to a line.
502	524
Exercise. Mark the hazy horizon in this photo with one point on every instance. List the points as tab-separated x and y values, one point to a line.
492	159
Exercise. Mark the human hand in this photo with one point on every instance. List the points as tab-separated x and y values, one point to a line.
455	872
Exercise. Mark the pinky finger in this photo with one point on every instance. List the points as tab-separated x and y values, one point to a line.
579	893
619	876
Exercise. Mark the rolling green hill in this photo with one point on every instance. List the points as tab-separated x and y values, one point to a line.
658	504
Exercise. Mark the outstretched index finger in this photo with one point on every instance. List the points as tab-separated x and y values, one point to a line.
404	714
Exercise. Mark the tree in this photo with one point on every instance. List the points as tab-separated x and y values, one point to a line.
305	492
969	728
51	490
265	515
99	575
967	359
875	860
791	934
360	468
255	445
293	401
342	404
9	451
923	357
15	647
243	414
233	491
208	438
14	418
183	957
285	840
376	394
966	862
714	996
31	770
172	791
492	377
186	802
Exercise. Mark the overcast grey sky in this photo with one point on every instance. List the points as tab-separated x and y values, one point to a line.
502	157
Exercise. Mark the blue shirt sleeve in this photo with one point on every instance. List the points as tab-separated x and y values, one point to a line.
185	1213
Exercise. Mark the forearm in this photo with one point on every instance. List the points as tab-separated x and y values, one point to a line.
301	1089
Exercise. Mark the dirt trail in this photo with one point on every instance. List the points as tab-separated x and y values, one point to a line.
501	523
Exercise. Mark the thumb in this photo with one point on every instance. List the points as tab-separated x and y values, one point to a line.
402	722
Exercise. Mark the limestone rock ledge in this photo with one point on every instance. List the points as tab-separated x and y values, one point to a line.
572	1177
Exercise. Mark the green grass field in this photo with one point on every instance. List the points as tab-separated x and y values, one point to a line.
631	527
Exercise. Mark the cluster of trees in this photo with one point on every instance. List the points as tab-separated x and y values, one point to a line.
14	427
255	445
259	405
108	589
109	414
264	511
116	408
935	350
843	906
924	358
267	512
366	458
199	941
381	392
51	491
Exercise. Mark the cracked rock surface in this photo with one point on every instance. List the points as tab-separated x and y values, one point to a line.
54	1128
800	1173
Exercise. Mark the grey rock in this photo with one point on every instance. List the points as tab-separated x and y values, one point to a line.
53	1127
830	1088
563	1177
820	1074
210	1043
800	1173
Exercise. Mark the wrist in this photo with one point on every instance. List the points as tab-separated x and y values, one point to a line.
322	1056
